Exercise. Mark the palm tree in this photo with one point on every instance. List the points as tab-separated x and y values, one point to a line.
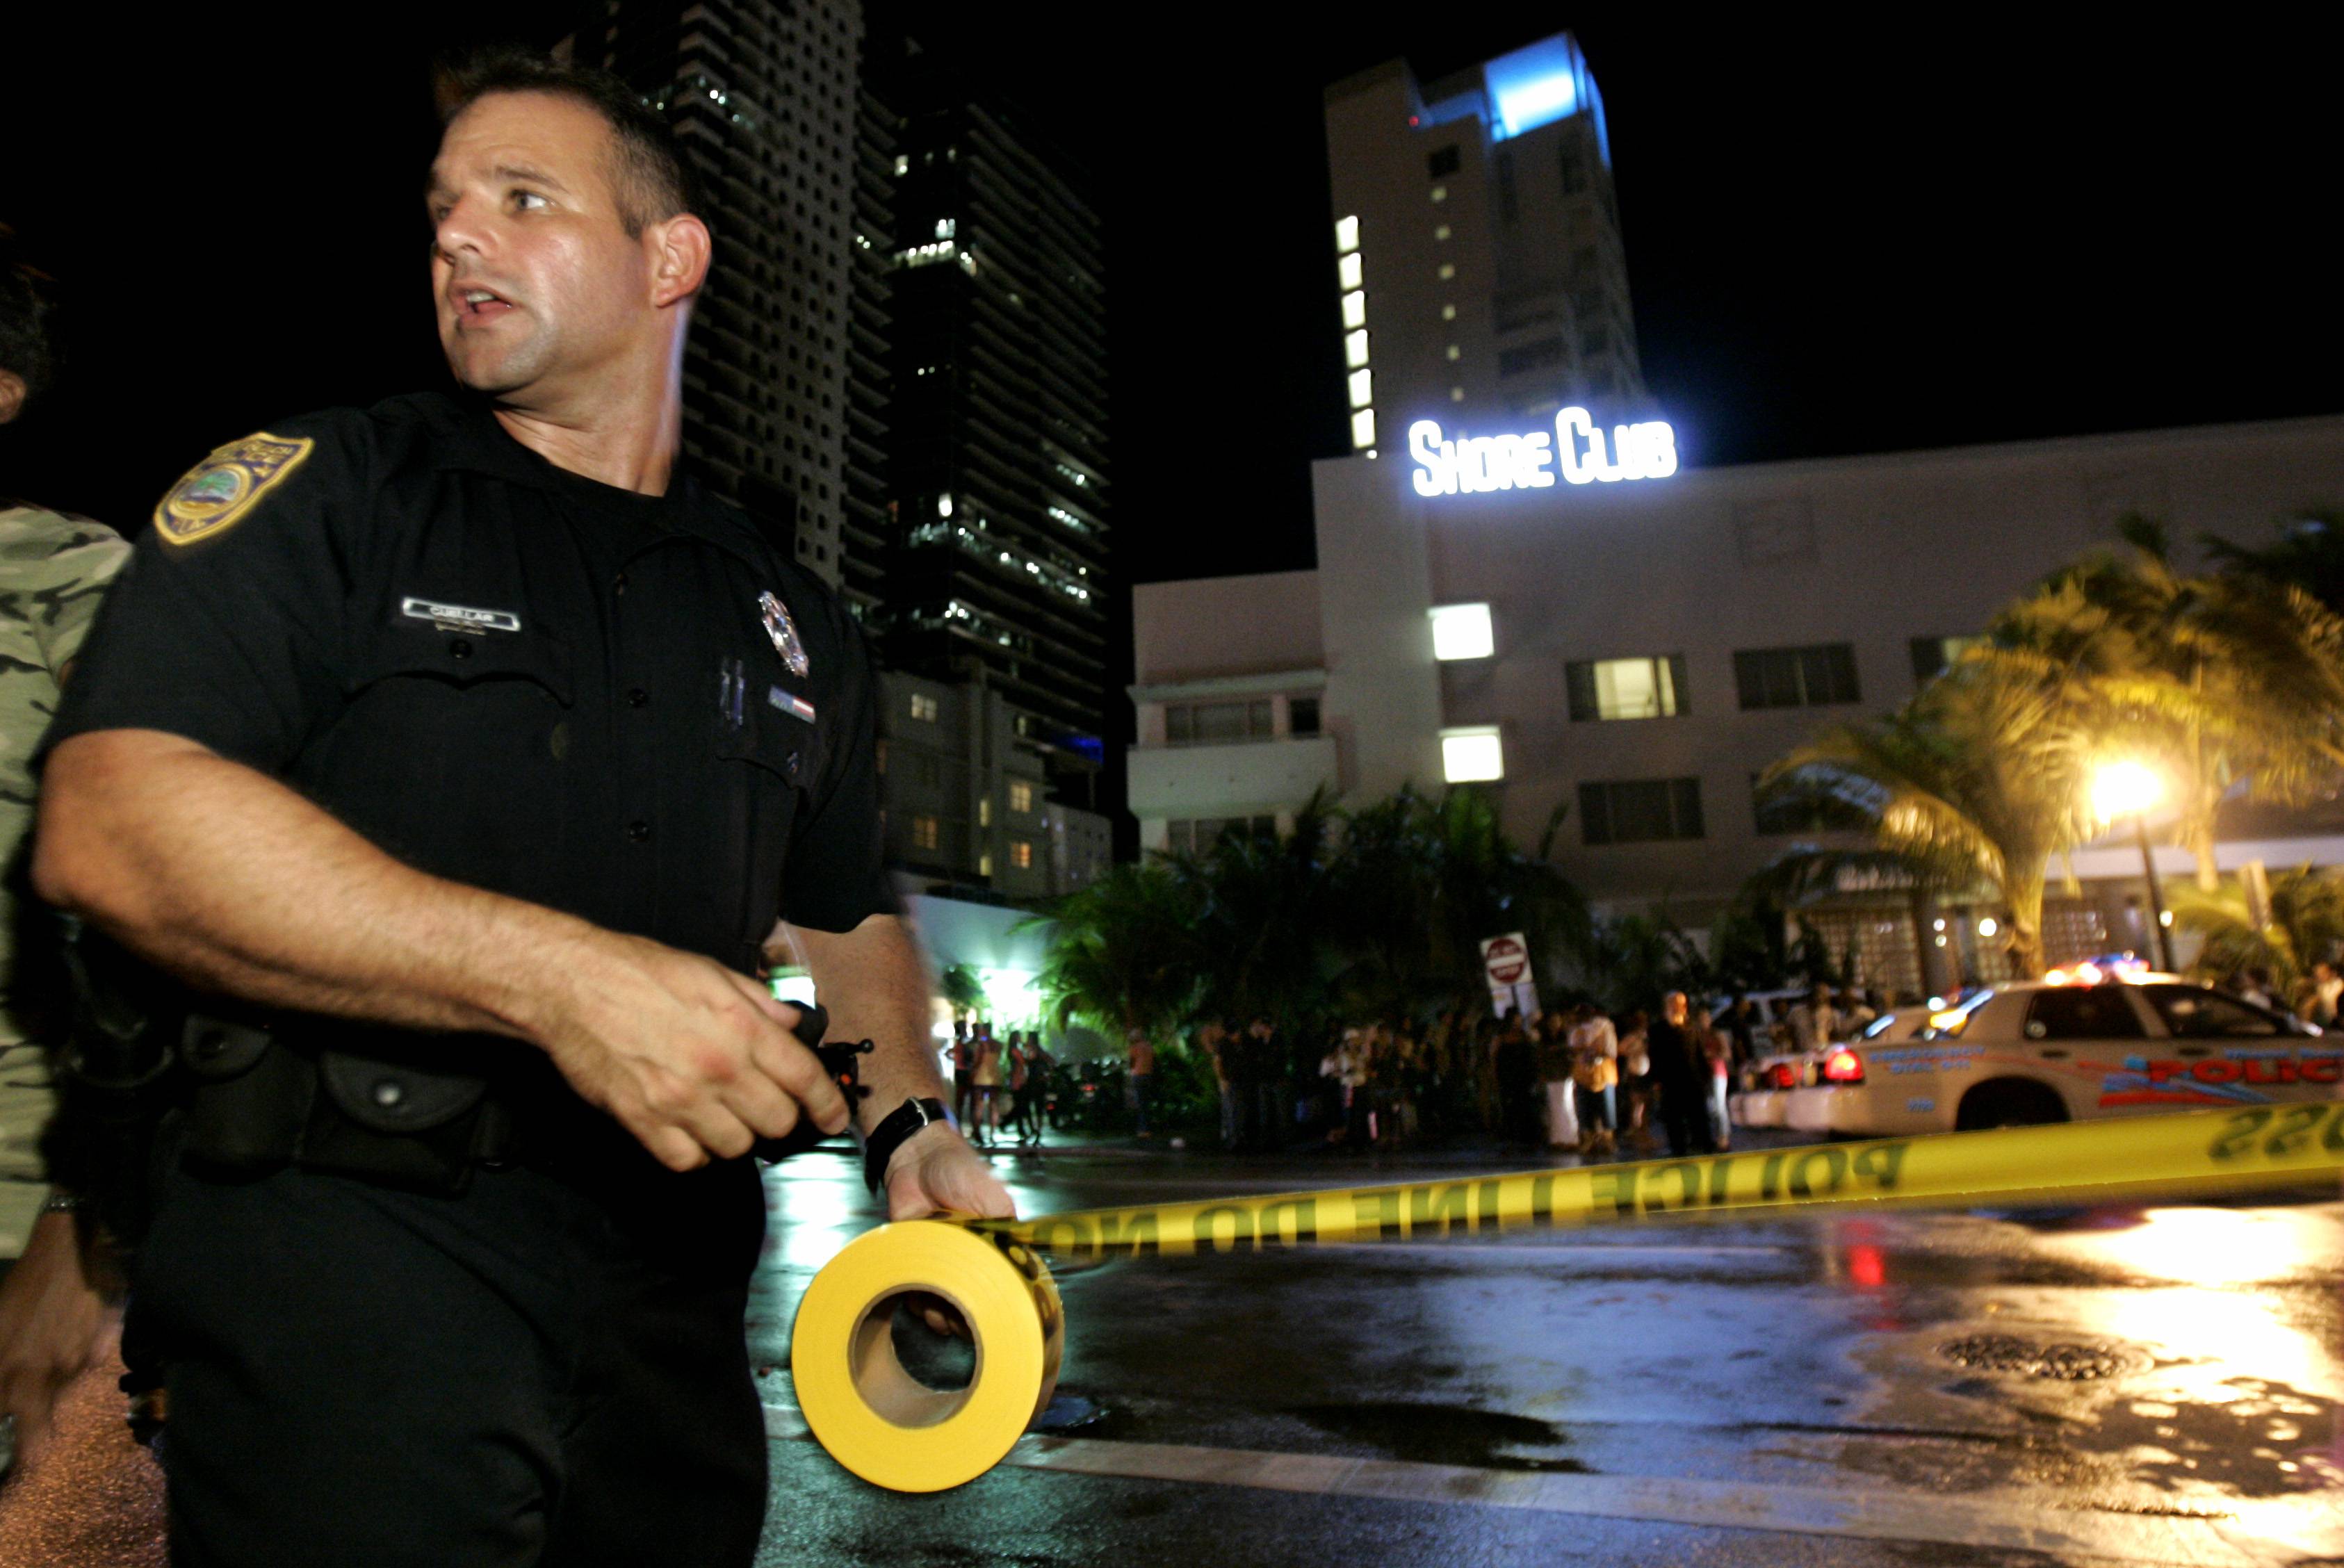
2309	555
2307	926
1122	951
1418	885
2222	681
1981	775
963	991
1261	916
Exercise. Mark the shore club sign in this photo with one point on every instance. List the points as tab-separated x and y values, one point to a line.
1580	450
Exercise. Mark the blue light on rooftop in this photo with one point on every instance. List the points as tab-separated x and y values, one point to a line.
1535	85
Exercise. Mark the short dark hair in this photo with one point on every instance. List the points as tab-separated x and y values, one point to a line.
654	179
27	319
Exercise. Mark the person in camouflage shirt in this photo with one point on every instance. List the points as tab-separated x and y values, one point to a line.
54	571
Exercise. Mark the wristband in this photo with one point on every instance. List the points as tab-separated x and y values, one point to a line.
888	1137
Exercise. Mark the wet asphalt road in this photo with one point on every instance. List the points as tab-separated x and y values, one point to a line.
2119	1385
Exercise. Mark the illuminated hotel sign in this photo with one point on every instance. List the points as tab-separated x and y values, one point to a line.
1578	448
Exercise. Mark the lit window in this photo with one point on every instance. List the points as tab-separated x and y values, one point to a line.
924	833
943	506
1021	853
1347	234
1440	193
1461	631
985	865
1473	755
1355	308
1363	428
1355	348
1626	688
903	164
1350	271
1441	232
1447	270
923	707
1449	312
1456	394
984	812
1362	393
1021	796
1455	352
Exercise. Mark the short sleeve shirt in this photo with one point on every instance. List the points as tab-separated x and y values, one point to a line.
54	571
632	709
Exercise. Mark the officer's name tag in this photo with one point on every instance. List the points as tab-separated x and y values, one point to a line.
460	617
795	707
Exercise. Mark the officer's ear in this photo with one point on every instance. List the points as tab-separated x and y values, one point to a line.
680	248
12	395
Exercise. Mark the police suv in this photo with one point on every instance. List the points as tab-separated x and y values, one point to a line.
2070	1047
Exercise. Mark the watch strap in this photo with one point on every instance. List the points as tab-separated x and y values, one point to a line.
888	1137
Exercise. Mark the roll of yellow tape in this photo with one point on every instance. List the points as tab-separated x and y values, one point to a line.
877	1420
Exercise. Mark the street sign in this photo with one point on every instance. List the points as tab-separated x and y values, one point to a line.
1506	959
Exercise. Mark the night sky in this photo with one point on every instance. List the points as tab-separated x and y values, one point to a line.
1839	240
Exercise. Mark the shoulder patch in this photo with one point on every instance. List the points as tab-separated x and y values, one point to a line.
226	485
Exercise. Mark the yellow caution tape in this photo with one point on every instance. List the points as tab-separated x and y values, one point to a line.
875	1418
884	1426
2088	1162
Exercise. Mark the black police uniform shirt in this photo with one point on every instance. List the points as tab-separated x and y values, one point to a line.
629	708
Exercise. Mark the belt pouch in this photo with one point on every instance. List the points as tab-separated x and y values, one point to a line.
251	1101
395	1124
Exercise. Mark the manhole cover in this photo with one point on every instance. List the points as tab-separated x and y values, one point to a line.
2013	1357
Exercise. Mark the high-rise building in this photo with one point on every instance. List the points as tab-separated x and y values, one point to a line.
764	96
1477	254
869	512
998	417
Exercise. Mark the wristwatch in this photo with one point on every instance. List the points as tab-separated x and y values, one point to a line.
888	1137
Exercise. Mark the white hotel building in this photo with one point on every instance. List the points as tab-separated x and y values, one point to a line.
1639	650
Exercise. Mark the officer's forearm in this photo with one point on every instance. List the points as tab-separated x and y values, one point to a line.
236	883
873	986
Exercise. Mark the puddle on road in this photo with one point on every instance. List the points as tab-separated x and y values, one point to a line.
1442	1435
2264	1439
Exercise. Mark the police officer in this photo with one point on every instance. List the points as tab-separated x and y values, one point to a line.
463	757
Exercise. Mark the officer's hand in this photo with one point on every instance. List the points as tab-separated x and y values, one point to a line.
53	1326
934	1172
693	1060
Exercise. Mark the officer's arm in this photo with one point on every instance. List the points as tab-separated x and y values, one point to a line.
873	983
237	883
230	880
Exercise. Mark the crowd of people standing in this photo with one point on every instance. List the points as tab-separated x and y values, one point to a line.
1574	1079
998	1083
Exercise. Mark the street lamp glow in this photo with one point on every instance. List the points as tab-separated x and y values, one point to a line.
2125	789
1988	926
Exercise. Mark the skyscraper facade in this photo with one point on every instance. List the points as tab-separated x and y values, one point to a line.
1480	277
764	96
998	419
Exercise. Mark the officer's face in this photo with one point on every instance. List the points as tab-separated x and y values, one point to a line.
537	286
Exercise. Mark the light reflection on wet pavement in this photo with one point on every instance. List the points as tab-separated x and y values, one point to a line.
2166	1381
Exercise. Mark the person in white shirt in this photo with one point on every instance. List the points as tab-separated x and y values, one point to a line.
2327	994
1815	1023
1595	1067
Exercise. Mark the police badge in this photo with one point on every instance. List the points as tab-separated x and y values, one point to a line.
226	485
784	633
